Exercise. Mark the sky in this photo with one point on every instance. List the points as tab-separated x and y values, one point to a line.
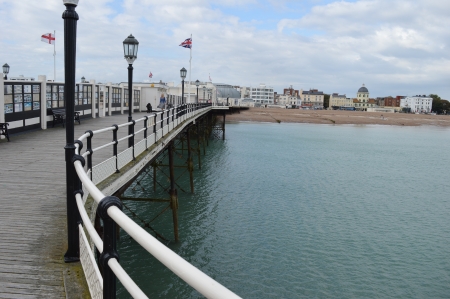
394	47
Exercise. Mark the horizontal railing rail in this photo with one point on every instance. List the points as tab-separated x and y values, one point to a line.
160	124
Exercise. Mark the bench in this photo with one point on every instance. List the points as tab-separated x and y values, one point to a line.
59	116
4	130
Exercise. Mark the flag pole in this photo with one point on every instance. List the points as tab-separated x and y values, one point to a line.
190	59
54	57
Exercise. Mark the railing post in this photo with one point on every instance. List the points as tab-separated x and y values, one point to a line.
154	126
132	137
173	114
162	123
109	245
89	149
116	128
168	111
145	131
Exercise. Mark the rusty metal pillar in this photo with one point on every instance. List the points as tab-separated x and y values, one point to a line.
154	176
173	193
223	127
190	164
198	147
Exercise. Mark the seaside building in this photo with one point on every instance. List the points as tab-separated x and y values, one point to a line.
418	103
262	94
362	101
312	99
291	91
289	98
338	101
227	95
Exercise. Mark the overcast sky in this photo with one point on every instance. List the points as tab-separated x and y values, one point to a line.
395	47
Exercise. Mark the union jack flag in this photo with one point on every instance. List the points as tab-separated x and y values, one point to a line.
150	75
187	43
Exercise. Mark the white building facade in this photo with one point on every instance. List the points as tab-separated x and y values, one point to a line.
262	94
420	104
285	100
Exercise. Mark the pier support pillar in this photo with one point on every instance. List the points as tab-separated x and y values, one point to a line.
223	127
198	146
190	164
173	193
154	176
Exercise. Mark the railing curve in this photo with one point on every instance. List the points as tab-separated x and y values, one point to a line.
109	208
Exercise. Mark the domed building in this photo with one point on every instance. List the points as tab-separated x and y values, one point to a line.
362	101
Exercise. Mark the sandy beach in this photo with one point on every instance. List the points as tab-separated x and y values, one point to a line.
337	117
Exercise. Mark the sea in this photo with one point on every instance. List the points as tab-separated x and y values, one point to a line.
305	211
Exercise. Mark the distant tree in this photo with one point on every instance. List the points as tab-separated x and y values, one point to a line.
326	101
439	105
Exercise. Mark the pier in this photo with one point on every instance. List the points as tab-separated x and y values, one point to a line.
34	216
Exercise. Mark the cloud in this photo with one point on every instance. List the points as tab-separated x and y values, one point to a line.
394	47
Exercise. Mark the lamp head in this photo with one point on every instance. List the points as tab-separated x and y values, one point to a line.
5	69
130	49
197	83
183	73
83	79
71	2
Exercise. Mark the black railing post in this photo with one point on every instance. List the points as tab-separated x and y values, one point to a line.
132	136
109	245
89	149
154	125
70	17
145	132
168	118
116	128
162	123
173	114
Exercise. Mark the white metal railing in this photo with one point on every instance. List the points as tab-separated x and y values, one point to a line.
161	122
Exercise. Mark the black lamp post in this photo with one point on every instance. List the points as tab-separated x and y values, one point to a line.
6	70
197	83
70	17
183	73
130	49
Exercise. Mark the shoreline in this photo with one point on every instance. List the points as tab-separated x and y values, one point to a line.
336	117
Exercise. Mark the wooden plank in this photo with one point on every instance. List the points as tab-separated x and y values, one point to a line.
33	207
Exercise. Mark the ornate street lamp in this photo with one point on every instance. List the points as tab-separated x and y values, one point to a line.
183	73
130	49
83	79
70	17
197	83
6	70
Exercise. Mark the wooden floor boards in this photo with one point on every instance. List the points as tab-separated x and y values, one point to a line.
33	207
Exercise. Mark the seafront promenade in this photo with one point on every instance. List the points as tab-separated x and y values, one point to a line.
33	213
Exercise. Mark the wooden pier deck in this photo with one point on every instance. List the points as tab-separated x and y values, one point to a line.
33	229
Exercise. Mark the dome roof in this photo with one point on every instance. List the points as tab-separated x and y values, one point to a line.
363	89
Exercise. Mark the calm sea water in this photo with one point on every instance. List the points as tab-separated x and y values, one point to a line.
309	211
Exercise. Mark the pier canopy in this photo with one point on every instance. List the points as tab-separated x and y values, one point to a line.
227	91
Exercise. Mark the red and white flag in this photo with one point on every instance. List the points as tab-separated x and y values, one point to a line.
48	38
150	75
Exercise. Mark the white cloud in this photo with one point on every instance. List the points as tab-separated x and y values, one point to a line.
397	46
